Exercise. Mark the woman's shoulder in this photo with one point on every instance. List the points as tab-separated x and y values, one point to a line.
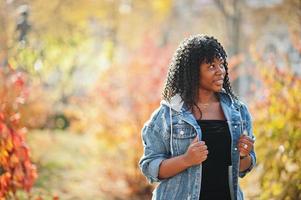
237	102
244	110
158	116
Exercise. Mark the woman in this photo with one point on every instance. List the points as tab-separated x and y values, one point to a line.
200	140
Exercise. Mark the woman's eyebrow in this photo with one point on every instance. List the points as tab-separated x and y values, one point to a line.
221	61
217	62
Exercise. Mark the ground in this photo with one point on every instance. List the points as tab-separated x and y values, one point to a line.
69	166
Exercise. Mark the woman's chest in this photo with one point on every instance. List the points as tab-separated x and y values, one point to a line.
213	111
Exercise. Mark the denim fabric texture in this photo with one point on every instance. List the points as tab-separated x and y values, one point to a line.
168	133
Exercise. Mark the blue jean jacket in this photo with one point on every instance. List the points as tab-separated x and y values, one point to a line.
168	133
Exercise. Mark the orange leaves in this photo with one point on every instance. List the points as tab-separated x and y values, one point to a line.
124	98
5	180
19	172
18	80
16	171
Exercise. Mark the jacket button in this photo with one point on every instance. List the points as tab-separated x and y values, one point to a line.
235	126
235	149
182	132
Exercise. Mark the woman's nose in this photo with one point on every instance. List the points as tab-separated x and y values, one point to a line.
219	70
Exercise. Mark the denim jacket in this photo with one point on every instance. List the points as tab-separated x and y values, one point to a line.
168	133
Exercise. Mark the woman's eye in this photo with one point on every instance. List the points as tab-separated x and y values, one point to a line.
211	67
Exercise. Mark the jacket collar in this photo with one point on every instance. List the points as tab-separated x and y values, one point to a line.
176	102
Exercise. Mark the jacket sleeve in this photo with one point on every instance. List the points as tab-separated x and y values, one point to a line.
245	112
154	152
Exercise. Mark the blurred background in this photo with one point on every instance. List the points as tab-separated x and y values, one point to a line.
78	79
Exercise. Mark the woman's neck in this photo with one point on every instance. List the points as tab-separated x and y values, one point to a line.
206	96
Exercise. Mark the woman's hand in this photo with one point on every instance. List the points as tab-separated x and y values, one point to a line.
196	153
245	145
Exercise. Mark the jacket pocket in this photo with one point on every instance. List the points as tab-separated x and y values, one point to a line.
182	137
183	132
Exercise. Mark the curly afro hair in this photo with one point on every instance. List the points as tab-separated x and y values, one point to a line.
184	69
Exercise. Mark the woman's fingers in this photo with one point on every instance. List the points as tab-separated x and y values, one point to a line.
245	142
243	151
197	151
245	145
203	148
246	138
199	144
195	140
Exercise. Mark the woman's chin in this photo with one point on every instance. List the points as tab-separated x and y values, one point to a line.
218	88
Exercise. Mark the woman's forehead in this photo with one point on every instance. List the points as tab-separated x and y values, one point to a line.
214	60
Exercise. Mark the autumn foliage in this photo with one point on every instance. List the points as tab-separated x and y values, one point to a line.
278	129
125	96
16	169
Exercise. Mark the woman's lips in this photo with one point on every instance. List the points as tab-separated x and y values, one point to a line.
219	82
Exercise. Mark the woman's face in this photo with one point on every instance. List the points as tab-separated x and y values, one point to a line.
212	75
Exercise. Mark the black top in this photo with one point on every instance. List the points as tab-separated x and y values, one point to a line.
217	137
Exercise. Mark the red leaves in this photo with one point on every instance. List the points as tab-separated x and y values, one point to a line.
18	80
17	170
5	180
126	95
20	173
